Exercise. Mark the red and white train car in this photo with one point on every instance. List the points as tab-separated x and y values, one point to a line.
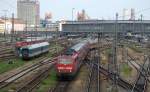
21	44
69	63
25	43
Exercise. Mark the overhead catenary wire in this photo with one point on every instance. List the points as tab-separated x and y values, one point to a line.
136	13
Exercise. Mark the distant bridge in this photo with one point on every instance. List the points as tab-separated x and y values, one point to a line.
107	26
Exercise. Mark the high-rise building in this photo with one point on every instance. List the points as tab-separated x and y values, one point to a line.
28	11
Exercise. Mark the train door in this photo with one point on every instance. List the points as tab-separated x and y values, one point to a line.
25	53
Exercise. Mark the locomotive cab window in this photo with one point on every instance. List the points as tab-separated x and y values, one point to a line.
65	61
69	52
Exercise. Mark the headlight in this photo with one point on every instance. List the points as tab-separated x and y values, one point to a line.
69	68
60	67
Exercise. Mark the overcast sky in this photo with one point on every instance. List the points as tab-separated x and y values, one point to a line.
97	9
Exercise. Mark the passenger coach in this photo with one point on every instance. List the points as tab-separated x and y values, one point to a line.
33	50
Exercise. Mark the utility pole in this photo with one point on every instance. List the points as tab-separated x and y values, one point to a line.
36	26
5	17
115	66
12	31
46	27
141	17
72	19
26	27
72	14
98	82
36	20
142	24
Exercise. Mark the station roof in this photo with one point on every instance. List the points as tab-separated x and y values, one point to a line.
106	21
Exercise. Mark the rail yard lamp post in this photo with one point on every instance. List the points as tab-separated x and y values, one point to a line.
99	57
12	30
115	65
5	17
72	19
72	14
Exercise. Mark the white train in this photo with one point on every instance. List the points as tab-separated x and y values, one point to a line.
33	50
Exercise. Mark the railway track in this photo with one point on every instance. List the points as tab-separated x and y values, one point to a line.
34	82
14	77
6	52
60	87
5	48
142	78
6	56
138	66
92	81
121	82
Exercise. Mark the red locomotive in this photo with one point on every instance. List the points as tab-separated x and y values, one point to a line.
69	63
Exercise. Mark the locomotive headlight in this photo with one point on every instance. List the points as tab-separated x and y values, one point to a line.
60	68
69	68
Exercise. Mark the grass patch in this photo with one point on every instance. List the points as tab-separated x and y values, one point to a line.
109	51
126	69
50	81
137	49
5	66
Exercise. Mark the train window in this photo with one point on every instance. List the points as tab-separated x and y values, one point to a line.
69	52
25	51
30	51
42	48
65	61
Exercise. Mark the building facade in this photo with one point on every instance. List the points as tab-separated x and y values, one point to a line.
29	11
6	26
2	26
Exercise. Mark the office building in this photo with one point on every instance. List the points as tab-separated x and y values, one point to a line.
29	11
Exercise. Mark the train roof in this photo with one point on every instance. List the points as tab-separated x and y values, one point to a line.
33	46
64	56
78	46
